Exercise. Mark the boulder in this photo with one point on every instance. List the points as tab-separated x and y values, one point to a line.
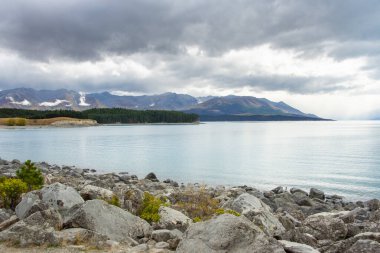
133	199
318	194
94	192
257	212
297	190
79	236
227	233
373	204
294	247
5	214
106	219
173	219
57	196
325	227
164	235
364	246
37	229
152	177
278	190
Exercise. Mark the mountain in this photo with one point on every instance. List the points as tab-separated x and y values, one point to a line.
209	108
245	106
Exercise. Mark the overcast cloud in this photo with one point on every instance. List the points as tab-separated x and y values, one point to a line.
307	53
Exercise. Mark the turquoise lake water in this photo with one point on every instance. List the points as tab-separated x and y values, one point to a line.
340	157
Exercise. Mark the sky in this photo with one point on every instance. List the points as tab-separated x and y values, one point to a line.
322	57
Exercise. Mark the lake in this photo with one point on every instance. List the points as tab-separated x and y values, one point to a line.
341	157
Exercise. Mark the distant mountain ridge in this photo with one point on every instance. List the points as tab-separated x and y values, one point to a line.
212	107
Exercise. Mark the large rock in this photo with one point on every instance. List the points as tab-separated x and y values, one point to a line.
257	212
294	247
227	233
99	216
364	246
94	192
325	227
37	229
318	194
57	196
173	219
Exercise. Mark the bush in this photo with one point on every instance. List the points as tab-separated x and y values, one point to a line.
11	122
11	190
198	204
114	201
149	208
20	122
31	175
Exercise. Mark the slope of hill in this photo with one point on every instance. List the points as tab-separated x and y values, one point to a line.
215	108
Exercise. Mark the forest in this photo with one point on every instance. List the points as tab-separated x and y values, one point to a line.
105	115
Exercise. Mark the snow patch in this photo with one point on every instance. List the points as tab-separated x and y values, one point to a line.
82	99
55	103
151	105
24	102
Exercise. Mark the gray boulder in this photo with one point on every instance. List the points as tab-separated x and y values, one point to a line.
318	194
5	214
257	212
294	247
227	233
57	196
325	227
173	219
364	246
102	218
94	192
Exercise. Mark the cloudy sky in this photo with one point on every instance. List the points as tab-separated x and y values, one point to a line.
320	56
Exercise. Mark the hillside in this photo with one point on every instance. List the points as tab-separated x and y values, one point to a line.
217	107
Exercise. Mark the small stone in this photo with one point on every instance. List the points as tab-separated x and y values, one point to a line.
152	177
318	194
162	245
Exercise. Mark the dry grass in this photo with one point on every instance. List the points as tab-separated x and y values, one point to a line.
36	122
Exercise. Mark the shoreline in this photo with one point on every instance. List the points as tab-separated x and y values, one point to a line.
119	212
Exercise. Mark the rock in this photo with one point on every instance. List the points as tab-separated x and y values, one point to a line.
278	190
173	219
373	204
152	177
7	223
296	190
133	199
5	214
37	229
227	233
57	196
318	194
164	235
296	235
79	236
294	247
325	227
257	212
94	192
364	246
99	216
162	245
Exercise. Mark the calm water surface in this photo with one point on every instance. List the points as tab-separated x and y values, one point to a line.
338	157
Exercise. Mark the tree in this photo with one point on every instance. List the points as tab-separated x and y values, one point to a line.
31	175
11	190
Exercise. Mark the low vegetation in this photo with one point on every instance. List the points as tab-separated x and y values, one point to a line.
149	208
31	175
102	116
11	190
29	178
197	203
114	201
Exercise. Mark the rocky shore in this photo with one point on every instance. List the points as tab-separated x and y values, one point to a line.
79	210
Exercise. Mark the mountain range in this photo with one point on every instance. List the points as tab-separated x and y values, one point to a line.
210	107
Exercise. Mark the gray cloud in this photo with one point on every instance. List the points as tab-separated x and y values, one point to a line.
89	30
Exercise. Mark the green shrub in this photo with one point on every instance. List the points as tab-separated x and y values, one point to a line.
149	208
11	190
197	219
220	211
31	175
113	201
